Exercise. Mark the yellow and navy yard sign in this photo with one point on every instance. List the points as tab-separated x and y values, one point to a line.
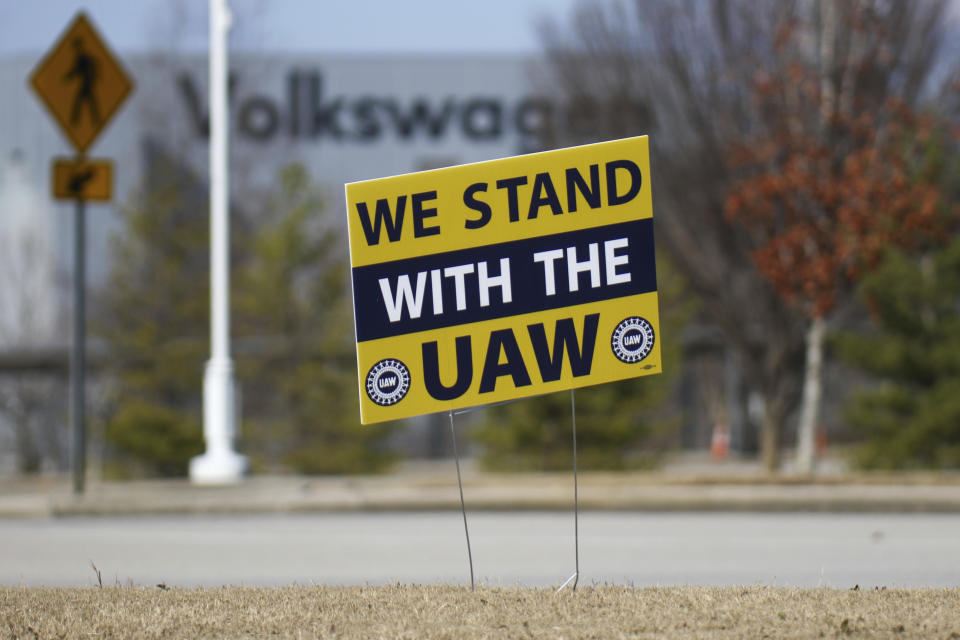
504	279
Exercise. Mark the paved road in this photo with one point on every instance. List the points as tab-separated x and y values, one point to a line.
512	548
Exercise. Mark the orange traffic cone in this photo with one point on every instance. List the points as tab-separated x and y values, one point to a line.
720	442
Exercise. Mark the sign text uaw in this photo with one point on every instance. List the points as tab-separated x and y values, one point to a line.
503	279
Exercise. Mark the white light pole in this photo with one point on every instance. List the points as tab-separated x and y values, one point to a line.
220	464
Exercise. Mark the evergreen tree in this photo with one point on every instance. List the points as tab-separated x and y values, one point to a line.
912	419
614	421
152	319
291	321
293	309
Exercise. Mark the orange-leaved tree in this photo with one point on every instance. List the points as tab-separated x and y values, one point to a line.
843	167
765	91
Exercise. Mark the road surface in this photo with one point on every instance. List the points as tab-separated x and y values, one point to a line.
509	549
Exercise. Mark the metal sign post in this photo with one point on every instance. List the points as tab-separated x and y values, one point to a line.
78	361
82	85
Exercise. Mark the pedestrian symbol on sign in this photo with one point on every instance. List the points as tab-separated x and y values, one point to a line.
81	82
84	74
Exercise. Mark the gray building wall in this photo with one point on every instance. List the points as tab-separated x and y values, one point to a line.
344	118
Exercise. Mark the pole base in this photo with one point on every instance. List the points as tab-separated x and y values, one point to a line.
221	464
218	468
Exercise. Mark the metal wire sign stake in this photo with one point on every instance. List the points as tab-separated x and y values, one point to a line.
575	576
576	504
463	505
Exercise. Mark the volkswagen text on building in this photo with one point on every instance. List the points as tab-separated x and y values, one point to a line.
504	279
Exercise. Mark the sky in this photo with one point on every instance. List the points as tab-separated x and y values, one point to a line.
291	26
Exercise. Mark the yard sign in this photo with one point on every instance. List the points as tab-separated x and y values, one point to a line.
498	280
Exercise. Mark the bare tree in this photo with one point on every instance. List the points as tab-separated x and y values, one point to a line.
695	68
686	64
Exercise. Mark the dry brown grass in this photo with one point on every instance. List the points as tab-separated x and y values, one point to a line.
456	613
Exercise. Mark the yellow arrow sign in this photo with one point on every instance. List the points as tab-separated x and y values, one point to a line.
81	82
82	179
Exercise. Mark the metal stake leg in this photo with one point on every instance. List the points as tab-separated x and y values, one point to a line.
463	505
576	503
576	495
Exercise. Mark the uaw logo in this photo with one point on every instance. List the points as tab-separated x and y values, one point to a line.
632	340
388	382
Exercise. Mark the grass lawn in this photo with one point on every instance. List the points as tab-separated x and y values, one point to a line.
456	613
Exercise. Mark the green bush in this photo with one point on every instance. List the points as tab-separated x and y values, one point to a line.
162	439
912	418
292	332
536	433
619	424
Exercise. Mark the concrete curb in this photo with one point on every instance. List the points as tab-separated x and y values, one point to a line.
437	491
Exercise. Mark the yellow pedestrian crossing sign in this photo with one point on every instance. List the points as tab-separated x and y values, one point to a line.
81	82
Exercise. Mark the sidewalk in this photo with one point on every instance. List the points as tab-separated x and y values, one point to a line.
433	486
